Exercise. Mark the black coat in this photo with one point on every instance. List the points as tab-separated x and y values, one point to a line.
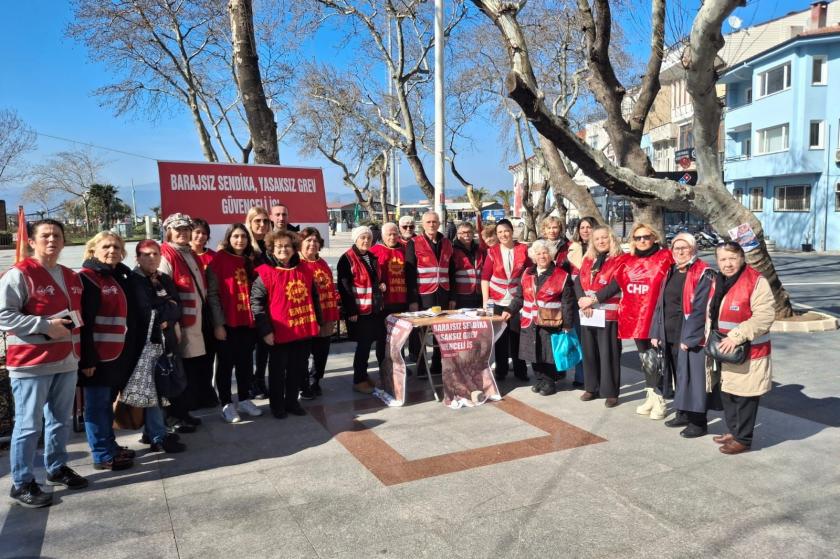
113	373
689	372
159	295
535	341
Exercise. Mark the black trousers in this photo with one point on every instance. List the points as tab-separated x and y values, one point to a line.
287	369
198	375
366	330
471	301
601	359
740	413
320	352
262	352
236	353
545	371
507	346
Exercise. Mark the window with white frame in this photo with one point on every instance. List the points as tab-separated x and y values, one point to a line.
815	134
773	139
819	69
774	80
757	198
686	139
792	198
738	194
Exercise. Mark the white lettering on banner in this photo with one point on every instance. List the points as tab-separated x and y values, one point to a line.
240	206
277	184
235	183
637	289
307	185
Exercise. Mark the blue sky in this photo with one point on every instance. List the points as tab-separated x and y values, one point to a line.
50	81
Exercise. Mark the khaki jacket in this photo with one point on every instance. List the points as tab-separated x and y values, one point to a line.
575	255
754	376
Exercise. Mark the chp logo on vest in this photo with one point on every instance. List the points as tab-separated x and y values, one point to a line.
322	280
637	288
109	290
75	290
395	265
296	291
240	277
44	290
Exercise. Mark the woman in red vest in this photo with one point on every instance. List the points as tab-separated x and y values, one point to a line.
547	305
107	345
577	249
180	263
229	278
310	258
640	280
284	300
360	290
601	346
678	328
554	232
469	261
390	253
500	282
198	242
742	308
259	224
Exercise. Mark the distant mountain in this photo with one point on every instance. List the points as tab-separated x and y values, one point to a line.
409	194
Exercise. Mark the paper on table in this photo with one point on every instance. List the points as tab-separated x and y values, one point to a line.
597	320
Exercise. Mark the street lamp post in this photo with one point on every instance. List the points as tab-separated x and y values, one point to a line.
439	115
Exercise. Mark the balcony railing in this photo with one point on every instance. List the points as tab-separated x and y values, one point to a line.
734	158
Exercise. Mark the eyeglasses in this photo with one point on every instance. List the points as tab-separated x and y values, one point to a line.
406	227
643	238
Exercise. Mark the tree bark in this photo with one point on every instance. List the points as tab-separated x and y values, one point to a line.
383	194
261	123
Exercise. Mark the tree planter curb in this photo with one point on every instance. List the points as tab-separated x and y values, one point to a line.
825	324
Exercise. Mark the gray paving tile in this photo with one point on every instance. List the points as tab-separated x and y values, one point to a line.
160	545
218	500
422	544
320	480
370	519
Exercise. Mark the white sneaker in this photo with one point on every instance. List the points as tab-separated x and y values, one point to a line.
229	414
247	406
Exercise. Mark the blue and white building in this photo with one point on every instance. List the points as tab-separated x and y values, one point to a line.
782	126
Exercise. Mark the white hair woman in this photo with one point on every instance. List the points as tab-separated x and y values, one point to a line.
390	253
547	303
360	289
678	324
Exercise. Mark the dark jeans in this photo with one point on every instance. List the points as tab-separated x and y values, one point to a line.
286	374
262	352
236	353
99	421
740	413
366	330
506	346
320	352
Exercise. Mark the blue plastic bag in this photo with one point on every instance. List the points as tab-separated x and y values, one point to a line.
566	349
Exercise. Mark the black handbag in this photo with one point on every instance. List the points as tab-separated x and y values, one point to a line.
653	364
737	357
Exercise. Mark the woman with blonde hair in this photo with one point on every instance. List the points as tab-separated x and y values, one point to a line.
553	232
258	223
640	279
601	346
107	345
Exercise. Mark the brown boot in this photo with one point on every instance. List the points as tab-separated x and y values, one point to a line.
723	439
733	447
587	396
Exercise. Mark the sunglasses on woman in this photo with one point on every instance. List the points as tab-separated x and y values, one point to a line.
643	238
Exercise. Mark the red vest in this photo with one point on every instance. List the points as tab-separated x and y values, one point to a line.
499	280
735	309
205	259
592	283
234	288
289	302
562	253
45	299
327	295
432	273
392	272
549	296
640	280
109	326
467	274
184	281
362	286
693	275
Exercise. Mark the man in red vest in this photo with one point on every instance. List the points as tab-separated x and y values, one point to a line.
40	308
429	274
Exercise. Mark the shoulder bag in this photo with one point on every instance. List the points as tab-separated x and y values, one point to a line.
140	390
737	357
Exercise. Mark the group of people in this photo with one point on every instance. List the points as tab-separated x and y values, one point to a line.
266	300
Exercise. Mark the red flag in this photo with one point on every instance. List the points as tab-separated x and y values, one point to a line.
22	246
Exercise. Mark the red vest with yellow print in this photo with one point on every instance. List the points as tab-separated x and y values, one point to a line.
392	272
289	302
640	280
548	296
327	294
184	282
362	286
110	324
467	274
45	298
234	288
499	280
735	309
431	272
591	283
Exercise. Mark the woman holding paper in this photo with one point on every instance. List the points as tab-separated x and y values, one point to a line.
599	322
547	304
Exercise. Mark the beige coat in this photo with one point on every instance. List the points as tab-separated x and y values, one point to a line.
754	376
192	338
575	255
